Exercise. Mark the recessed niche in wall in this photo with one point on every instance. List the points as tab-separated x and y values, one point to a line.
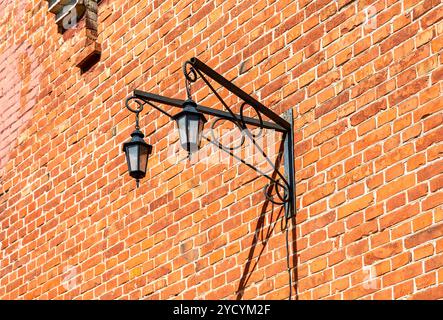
79	17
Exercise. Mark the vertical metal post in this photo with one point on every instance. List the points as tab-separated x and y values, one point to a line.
289	164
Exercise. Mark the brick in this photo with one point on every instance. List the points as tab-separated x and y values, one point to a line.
432	201
428	109
403	289
333	158
425	281
398	37
368	112
437	75
429	139
360	232
433	122
437	44
356	205
402	123
395	187
332	104
415	162
417	192
348	266
436	183
401	260
430	171
329	133
396	202
337	199
407	91
382	252
424	236
316	251
409	60
433	293
423	252
323	82
411	133
398	215
368	83
432	17
434	263
318	193
407	272
315	280
372	138
422	8
354	176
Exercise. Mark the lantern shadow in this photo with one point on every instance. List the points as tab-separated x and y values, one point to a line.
262	235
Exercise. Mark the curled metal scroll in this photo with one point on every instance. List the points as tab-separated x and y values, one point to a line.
190	75
189	71
242	119
138	101
284	198
140	104
217	140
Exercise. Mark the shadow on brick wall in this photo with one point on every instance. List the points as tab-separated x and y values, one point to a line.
262	235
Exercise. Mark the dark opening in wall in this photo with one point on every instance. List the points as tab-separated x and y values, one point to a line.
88	62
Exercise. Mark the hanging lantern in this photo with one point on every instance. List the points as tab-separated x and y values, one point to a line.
190	126
137	153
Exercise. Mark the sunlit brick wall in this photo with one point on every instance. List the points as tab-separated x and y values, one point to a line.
364	81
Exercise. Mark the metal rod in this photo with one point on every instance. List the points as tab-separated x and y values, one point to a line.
239	92
239	123
147	96
242	161
157	108
289	165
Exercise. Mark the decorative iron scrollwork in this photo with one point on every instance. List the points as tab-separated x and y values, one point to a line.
217	140
190	75
137	111
276	185
242	119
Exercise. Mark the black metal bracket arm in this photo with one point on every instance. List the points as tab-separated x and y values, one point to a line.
283	187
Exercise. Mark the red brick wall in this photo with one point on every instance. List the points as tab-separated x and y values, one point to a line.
364	81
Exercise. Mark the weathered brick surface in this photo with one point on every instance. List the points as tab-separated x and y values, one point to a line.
367	97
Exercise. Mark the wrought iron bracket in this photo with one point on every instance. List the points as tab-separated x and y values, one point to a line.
284	124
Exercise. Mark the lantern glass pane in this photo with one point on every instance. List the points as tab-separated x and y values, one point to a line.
200	129
181	122
143	158
193	125
132	154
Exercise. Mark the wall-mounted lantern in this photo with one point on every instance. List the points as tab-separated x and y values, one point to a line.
137	153
190	121
190	126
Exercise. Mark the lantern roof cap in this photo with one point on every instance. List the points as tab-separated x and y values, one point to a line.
137	138
189	107
137	133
